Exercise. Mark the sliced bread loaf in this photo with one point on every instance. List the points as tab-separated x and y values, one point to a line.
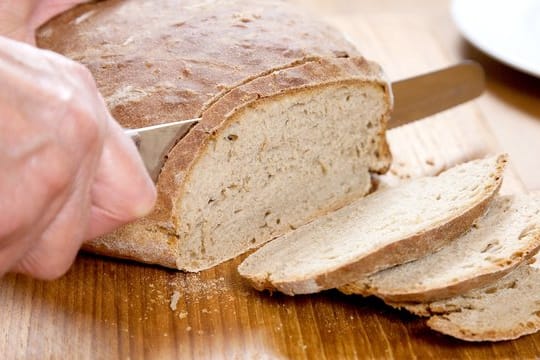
293	118
504	310
386	228
506	236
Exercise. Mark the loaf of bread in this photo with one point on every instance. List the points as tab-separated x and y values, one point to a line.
505	237
386	228
293	118
504	310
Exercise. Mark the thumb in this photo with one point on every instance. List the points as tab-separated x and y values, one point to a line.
122	190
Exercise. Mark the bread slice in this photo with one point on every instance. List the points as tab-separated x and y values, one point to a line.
386	228
504	310
293	118
506	236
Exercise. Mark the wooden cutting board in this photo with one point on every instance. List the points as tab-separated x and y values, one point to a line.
108	309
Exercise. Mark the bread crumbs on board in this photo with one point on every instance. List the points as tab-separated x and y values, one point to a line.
174	300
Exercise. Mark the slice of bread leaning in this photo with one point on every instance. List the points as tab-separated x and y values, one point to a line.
386	228
293	118
504	310
502	239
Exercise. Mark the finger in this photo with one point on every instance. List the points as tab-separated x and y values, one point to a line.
54	244
52	255
122	190
19	243
32	197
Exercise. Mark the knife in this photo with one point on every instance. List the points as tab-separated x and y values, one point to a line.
414	98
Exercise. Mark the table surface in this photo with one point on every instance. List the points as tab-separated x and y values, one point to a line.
106	308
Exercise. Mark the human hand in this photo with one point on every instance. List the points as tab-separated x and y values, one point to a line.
20	19
68	173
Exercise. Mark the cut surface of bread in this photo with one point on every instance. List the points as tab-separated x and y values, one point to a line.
279	163
386	228
293	118
499	241
504	310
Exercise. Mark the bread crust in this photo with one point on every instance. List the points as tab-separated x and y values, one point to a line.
197	60
157	62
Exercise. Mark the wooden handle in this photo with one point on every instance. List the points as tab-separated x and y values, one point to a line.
425	95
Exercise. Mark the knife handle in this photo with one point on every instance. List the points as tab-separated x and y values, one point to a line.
425	95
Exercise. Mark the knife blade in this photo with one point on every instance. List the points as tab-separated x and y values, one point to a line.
155	142
414	98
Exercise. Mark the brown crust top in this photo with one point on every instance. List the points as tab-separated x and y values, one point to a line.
161	61
158	62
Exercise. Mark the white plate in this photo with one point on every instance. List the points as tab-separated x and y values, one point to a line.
508	30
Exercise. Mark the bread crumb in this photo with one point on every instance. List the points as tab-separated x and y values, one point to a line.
174	300
182	315
200	289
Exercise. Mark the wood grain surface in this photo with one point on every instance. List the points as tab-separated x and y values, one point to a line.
108	309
